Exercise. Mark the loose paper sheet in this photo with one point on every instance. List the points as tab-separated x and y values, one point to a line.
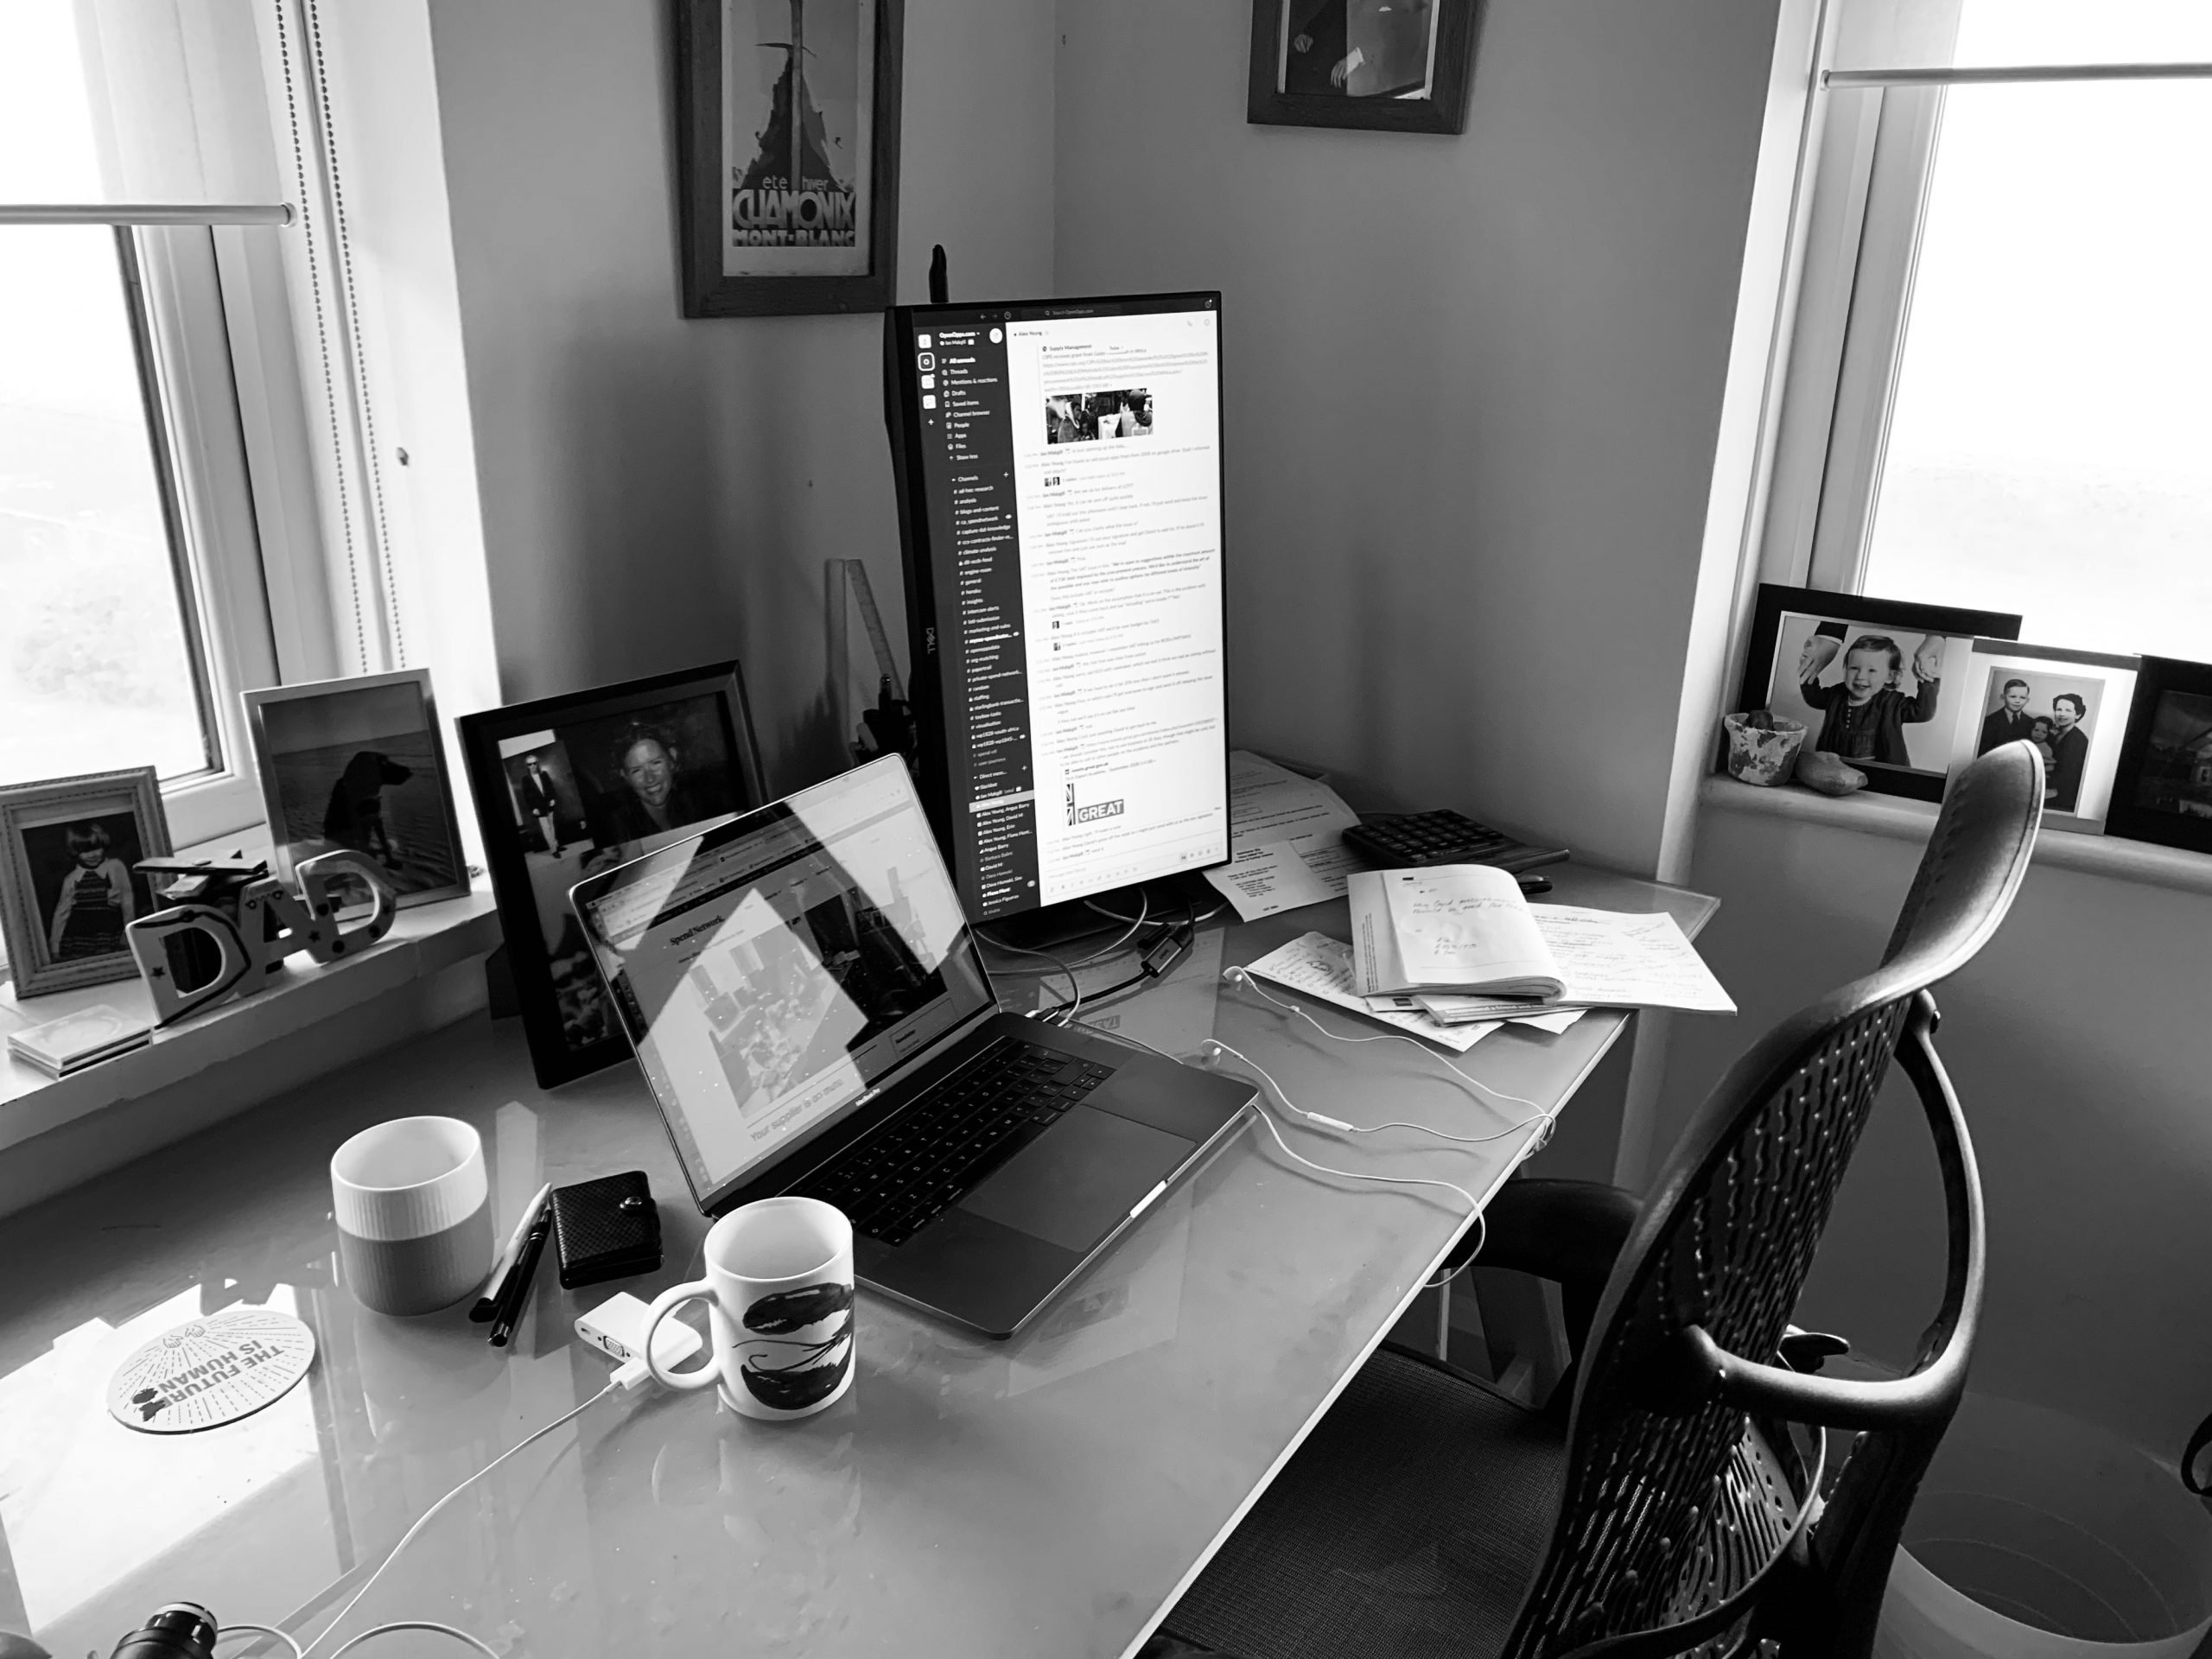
1286	840
1320	966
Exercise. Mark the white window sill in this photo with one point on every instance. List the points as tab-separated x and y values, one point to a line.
1903	820
423	942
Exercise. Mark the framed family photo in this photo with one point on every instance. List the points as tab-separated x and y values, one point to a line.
1388	65
787	154
570	785
358	764
2072	705
1876	682
2163	790
69	853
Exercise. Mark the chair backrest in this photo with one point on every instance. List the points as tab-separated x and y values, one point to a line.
1669	1512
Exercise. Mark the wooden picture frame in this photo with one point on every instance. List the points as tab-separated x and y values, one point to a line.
2161	793
1308	68
359	764
559	797
1796	615
57	835
737	205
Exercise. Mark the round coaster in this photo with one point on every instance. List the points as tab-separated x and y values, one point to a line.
207	1372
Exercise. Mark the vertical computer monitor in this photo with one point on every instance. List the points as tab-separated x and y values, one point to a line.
1059	474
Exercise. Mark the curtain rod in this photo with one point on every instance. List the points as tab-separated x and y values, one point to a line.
146	212
2018	74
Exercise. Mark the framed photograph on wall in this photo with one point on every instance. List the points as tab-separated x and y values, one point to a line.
2072	705
786	212
69	852
358	764
1874	681
1388	66
568	785
2163	790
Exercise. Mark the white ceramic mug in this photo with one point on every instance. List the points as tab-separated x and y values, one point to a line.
414	1213
779	1278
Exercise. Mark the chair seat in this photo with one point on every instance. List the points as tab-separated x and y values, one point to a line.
1408	1524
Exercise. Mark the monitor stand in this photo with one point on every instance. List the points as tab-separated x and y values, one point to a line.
1073	921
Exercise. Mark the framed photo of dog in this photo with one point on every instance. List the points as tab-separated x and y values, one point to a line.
69	853
358	764
569	785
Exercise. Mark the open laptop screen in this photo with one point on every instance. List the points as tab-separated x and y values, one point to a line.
772	971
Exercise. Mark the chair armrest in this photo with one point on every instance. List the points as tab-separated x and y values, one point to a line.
1568	1231
1701	1367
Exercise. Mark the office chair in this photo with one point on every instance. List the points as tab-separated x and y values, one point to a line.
1678	1504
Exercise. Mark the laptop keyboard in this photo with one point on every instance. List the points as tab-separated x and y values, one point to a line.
901	1179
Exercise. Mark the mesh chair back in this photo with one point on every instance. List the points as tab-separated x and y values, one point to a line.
1676	1500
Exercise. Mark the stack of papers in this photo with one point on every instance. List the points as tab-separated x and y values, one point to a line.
1286	840
70	1044
1458	940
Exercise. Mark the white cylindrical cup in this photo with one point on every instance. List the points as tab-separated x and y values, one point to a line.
779	1282
414	1214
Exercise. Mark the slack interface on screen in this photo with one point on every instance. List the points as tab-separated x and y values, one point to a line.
1072	476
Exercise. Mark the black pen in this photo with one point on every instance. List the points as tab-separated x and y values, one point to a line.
487	1305
516	1291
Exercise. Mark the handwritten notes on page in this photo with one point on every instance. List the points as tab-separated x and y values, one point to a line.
1321	967
1624	959
1466	926
1286	839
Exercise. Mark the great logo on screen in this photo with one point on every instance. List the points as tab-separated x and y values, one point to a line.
1095	811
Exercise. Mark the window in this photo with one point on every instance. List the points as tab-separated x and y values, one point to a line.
2014	416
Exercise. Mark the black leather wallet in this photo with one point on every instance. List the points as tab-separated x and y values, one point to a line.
606	1229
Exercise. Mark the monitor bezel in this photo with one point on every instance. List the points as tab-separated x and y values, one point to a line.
925	684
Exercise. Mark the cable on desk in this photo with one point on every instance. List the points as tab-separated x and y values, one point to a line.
1074	989
427	1516
241	1627
1219	905
1543	1118
453	1631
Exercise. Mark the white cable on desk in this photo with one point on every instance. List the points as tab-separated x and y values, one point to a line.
458	1634
238	1627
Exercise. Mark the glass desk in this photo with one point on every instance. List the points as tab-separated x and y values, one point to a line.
1042	1497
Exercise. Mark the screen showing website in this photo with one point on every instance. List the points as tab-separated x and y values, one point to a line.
773	971
1071	468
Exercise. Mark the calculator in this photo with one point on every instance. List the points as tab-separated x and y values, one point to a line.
1413	840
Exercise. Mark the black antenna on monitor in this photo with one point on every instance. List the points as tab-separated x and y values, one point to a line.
940	294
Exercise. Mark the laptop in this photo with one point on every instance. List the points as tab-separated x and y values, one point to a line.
812	1015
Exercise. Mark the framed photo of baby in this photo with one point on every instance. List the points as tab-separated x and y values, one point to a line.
69	852
1877	682
2071	705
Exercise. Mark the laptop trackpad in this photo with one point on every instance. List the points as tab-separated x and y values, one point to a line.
1071	1186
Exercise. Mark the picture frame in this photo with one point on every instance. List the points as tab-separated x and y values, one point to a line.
1362	63
2073	705
2162	789
751	245
1789	624
359	764
69	849
569	785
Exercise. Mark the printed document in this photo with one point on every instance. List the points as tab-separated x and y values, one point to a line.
1286	840
1321	967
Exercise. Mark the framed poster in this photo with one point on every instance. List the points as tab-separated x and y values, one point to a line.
1388	65
69	882
1876	681
2162	792
787	154
2072	705
566	786
358	764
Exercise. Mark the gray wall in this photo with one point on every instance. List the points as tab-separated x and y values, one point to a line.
2082	1048
658	492
1474	384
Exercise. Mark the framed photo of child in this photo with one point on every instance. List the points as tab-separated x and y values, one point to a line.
69	852
1876	681
2072	705
358	764
2162	791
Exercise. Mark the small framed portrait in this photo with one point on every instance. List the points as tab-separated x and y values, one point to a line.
69	882
2072	705
1391	66
783	215
1876	682
568	786
2162	789
358	764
